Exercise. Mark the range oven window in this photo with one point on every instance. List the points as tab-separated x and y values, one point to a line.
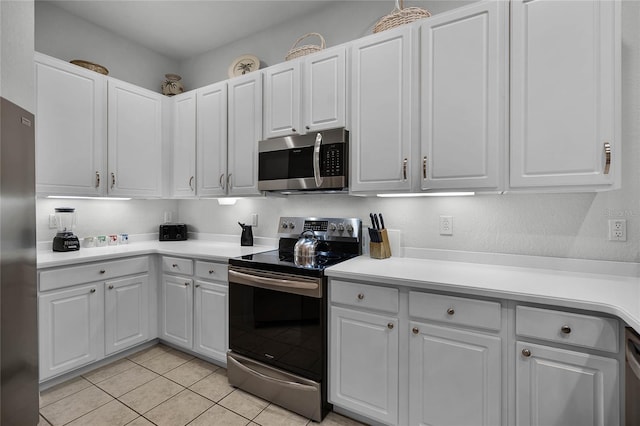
281	329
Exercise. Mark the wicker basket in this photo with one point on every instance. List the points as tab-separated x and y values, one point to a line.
400	16
297	51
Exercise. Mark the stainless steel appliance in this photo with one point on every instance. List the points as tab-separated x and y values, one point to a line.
316	161
632	378
18	303
278	315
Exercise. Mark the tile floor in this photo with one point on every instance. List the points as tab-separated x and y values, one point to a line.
165	387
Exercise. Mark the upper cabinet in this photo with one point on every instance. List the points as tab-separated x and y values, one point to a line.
565	94
135	140
212	139
463	80
382	67
184	145
306	94
70	129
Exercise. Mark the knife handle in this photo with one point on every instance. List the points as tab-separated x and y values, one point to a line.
381	221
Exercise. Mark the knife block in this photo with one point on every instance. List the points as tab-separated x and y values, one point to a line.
380	250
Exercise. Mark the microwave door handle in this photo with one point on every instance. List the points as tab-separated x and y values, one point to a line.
316	160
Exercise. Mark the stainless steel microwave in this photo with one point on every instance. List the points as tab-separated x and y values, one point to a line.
315	161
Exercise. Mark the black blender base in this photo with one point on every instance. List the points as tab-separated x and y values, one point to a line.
70	243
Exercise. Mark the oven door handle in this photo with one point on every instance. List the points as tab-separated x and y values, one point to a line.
316	161
285	383
259	281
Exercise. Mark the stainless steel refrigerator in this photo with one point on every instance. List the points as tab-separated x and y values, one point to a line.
18	292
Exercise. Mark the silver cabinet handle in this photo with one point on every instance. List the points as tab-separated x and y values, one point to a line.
229	180
415	330
316	160
97	179
360	296
93	290
451	311
102	271
607	157
211	271
113	180
197	285
307	127
424	167
222	185
404	168
526	353
175	265
191	183
293	130
390	326
565	329
111	287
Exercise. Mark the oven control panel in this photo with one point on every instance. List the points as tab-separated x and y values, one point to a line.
323	228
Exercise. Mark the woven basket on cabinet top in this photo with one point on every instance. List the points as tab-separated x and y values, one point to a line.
297	51
400	16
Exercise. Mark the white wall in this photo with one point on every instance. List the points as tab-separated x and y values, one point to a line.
67	37
16	52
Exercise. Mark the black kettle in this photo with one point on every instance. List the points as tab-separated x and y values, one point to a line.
246	239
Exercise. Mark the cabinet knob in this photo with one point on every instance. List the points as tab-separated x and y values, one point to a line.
197	285
565	329
175	265
293	130
111	287
390	326
93	290
360	296
102	271
526	353
186	284
451	311
415	330
307	127
212	271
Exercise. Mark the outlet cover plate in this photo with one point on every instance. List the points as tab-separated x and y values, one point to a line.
617	230
446	225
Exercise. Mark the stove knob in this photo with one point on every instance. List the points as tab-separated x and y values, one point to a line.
332	227
284	225
341	227
349	228
292	225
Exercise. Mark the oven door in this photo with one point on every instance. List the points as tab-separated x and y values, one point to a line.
278	319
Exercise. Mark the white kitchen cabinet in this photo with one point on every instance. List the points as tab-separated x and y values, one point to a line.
565	94
184	145
126	313
70	129
71	328
211	144
306	94
134	140
210	319
382	101
363	364
244	132
177	310
454	376
556	387
464	81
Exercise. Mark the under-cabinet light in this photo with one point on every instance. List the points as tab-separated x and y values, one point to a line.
77	197
427	194
227	201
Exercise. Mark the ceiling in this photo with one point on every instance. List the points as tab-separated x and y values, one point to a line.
181	29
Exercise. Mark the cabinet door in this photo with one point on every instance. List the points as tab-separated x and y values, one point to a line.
455	377
70	129
177	311
70	324
126	313
324	94
556	387
381	111
210	320
565	93
463	82
245	130
184	145
135	140
363	364
282	99
212	140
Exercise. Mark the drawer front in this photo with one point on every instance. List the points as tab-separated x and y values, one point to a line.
455	310
212	270
565	327
66	277
365	296
177	265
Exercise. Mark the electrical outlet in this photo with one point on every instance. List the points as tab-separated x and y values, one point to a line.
617	230
254	219
53	223
446	225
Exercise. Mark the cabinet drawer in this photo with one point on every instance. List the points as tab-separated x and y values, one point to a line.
564	327
211	270
177	265
455	310
66	277
365	296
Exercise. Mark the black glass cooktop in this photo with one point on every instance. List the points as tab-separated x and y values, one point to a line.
283	261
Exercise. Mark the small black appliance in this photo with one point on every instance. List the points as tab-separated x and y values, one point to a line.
246	239
173	232
65	240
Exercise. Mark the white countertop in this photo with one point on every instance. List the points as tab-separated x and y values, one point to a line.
615	294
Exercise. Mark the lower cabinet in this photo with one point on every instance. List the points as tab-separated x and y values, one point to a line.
126	313
194	306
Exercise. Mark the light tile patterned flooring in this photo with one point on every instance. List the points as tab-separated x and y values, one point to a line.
165	387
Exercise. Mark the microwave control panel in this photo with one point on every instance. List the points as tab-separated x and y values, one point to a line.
333	164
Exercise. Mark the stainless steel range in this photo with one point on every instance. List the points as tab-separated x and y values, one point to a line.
278	313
